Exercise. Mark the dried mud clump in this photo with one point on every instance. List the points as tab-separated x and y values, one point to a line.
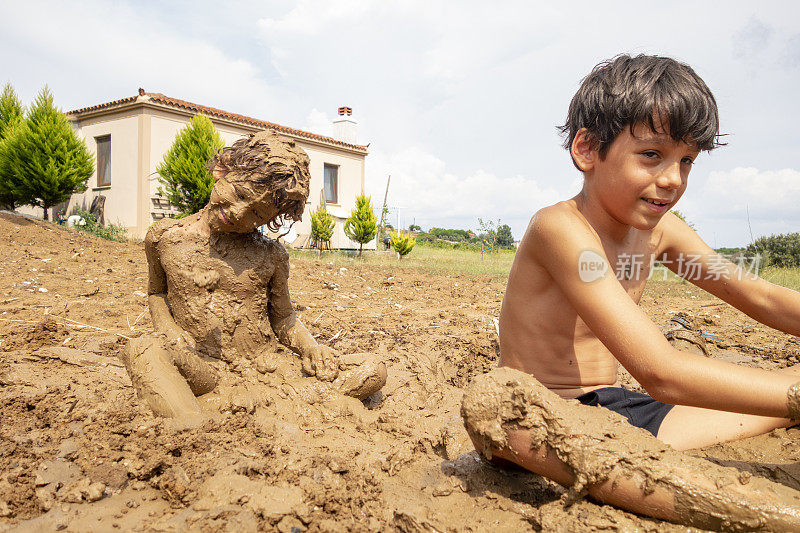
46	332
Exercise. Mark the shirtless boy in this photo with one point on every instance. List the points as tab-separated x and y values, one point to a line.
634	129
218	288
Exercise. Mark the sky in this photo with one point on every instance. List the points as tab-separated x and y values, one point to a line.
458	101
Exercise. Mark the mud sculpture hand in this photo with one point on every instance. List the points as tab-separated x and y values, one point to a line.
321	361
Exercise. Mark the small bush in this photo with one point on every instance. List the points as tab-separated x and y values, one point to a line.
112	232
777	250
322	224
402	244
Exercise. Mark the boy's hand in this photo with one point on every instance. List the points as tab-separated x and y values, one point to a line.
321	361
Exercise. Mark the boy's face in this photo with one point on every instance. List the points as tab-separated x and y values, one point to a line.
237	206
641	177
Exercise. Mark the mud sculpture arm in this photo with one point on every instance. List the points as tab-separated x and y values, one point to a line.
318	360
163	321
669	375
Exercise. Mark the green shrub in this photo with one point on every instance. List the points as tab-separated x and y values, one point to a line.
362	225
43	162
322	224
112	232
185	178
402	244
777	250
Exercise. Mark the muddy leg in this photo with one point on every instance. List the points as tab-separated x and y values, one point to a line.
590	449
158	383
360	375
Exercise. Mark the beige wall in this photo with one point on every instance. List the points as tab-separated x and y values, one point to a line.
141	136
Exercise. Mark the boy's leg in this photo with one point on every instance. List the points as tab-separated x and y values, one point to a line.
509	414
694	427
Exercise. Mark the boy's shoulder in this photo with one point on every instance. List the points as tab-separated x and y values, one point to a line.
559	224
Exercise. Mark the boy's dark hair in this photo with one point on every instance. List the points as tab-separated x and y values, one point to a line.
625	91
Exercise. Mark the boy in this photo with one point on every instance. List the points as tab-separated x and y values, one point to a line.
634	129
218	288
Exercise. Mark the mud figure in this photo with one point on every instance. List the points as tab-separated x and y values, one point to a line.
218	288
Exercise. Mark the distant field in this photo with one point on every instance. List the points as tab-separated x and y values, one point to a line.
433	260
497	264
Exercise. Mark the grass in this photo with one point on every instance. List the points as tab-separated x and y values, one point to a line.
111	232
496	265
786	277
429	259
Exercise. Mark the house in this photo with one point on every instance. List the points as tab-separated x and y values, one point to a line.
129	138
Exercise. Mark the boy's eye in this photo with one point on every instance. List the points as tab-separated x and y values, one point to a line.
650	154
688	161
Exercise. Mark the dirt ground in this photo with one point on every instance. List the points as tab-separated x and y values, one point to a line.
78	452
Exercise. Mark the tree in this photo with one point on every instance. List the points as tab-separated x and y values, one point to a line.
10	194
322	224
11	109
402	244
777	250
503	237
414	227
184	175
43	158
362	224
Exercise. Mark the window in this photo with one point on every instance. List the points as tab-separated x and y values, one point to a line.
331	184
103	160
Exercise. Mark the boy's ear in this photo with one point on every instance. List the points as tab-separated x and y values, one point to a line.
583	150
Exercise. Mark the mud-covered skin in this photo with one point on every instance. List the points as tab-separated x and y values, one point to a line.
218	289
599	447
793	401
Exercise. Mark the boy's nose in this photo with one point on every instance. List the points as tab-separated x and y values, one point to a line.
671	178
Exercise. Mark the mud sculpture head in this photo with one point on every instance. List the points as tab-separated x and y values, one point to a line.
261	180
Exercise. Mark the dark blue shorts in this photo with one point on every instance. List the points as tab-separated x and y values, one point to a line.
640	409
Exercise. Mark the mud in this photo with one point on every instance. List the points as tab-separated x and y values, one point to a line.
600	446
399	461
793	401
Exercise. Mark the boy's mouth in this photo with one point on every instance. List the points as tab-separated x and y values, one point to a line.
656	204
224	218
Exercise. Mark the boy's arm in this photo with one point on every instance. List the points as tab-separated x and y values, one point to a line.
318	360
560	241
691	258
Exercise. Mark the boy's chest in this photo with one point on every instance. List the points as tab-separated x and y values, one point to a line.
632	265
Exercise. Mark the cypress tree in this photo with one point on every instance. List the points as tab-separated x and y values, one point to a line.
362	224
10	193
321	226
11	117
184	175
11	109
44	159
402	244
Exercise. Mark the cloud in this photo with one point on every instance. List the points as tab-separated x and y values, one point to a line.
425	191
765	193
752	39
732	204
318	122
131	48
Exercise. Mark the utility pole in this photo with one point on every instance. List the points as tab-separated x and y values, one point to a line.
383	209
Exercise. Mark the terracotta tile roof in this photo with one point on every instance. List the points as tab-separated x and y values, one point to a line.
214	112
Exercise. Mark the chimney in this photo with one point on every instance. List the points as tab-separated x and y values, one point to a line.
344	127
